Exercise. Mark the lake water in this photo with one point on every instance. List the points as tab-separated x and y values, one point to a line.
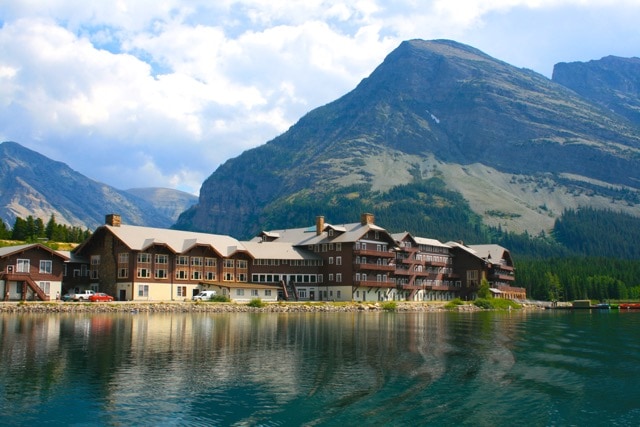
551	368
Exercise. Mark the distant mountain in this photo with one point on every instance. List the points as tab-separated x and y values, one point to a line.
611	82
516	147
167	201
32	184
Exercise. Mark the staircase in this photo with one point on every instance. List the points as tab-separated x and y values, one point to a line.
27	282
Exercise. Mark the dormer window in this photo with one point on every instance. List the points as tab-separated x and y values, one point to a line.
330	233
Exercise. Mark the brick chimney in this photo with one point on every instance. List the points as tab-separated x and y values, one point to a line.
319	225
367	218
113	219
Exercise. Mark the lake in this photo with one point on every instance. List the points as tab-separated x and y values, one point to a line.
534	368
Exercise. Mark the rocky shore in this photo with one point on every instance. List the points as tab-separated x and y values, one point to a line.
213	307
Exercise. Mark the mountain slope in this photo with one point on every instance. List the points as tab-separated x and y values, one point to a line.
518	147
611	82
32	184
166	201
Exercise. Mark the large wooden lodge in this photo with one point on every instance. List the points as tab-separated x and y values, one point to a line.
360	261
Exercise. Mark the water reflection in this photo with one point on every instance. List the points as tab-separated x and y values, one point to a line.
298	369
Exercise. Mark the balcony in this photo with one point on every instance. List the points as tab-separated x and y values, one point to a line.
373	252
372	266
374	284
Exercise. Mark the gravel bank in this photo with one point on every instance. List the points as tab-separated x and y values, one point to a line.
203	307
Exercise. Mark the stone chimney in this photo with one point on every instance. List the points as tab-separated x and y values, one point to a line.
113	219
367	218
319	225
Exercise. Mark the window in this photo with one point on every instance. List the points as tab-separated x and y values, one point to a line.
45	286
196	275
210	262
161	273
331	277
144	258
123	273
46	266
242	277
162	259
240	292
182	274
143	290
302	293
338	247
95	259
123	258
196	260
330	260
210	275
242	264
338	294
338	260
267	292
339	277
181	291
182	260
228	277
254	292
144	273
23	266
228	263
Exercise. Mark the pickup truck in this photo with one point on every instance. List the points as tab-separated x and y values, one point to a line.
82	296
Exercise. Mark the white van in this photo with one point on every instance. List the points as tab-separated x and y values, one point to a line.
204	295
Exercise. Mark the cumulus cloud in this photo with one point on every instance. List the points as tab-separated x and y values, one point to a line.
160	92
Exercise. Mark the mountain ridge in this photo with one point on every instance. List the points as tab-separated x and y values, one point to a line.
518	146
34	185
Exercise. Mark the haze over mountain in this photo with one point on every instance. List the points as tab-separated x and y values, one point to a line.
32	184
167	201
519	148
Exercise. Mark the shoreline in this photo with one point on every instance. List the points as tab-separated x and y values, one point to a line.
220	307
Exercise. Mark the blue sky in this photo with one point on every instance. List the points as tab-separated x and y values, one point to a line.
159	93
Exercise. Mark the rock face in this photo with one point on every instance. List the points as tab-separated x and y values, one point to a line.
519	147
611	82
32	184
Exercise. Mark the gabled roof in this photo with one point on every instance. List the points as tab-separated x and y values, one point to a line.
492	253
398	237
141	238
10	250
345	233
278	250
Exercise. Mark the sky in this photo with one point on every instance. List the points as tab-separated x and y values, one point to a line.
159	93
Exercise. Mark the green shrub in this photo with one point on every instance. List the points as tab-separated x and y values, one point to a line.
495	304
453	303
220	298
256	302
389	306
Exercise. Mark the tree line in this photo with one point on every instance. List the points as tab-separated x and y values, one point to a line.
34	229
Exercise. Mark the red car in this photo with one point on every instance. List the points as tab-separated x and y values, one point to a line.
100	297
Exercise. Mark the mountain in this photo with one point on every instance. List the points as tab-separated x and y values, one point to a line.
611	82
32	184
435	119
167	201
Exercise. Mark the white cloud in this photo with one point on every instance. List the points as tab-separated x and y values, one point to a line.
160	92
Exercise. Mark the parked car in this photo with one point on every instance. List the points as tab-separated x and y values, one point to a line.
100	297
67	297
82	295
204	296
